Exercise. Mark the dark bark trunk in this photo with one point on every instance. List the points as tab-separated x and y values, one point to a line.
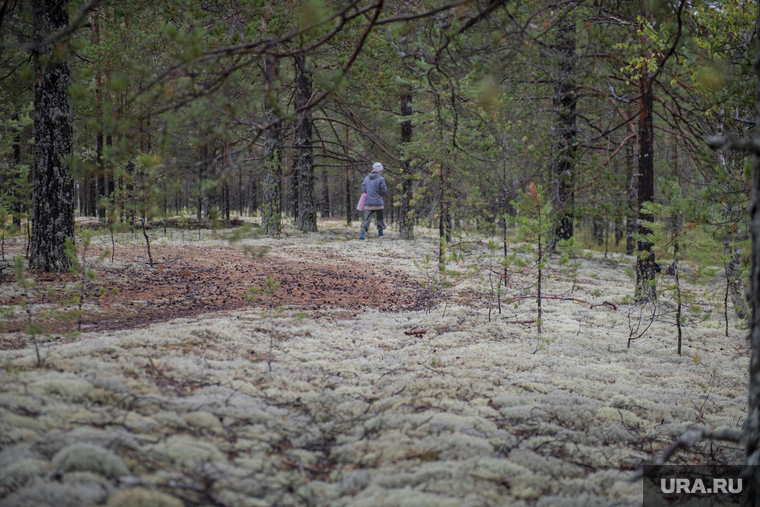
254	201
348	182
325	196
348	196
444	231
504	211
128	190
632	193
597	230
102	181
211	200
203	155
406	210
292	198
306	219
99	177
226	203
733	270
109	171
92	194
53	196
645	264
99	168
271	206
565	102
240	191
751	493
14	179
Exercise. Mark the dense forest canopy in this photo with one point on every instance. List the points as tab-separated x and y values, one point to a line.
202	107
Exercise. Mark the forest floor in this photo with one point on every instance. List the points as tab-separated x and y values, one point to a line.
180	391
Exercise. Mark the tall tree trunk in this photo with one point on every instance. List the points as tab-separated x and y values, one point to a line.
254	200
109	171
406	211
632	194
565	102
348	182
306	219
99	168
226	203
240	192
751	493
645	263
293	182
444	232
53	197
271	207
325	196
102	185
14	178
733	270
202	163
226	177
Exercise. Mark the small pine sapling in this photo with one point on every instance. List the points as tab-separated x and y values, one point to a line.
570	263
214	217
146	194
732	264
665	236
734	287
79	268
269	291
494	277
669	236
534	225
33	328
111	209
434	280
505	282
8	229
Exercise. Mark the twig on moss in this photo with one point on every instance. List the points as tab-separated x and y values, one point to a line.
566	298
688	440
421	331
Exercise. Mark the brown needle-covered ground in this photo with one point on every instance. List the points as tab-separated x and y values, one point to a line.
189	280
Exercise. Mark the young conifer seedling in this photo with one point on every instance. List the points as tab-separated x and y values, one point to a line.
33	328
534	224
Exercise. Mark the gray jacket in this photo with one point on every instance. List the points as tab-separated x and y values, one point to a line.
375	188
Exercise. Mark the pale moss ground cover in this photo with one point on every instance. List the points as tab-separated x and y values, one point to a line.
357	413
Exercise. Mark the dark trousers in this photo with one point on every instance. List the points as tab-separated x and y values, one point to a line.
368	218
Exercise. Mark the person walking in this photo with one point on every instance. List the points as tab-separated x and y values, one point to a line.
374	186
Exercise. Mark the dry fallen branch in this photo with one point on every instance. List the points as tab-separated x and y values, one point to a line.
421	331
565	298
690	438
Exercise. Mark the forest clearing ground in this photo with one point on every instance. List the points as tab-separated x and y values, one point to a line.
354	411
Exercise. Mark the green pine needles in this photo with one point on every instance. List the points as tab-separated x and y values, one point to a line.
679	235
534	225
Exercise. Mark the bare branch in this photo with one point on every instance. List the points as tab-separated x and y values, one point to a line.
675	42
729	142
688	440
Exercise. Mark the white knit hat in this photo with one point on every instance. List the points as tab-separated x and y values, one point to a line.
377	166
